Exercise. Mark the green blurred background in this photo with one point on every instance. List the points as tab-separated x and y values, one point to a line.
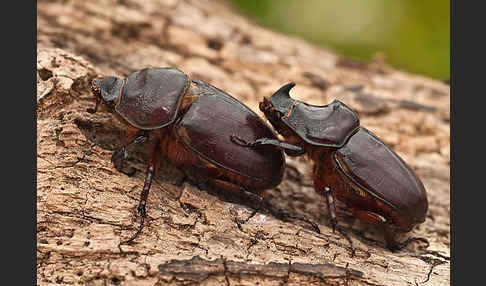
413	35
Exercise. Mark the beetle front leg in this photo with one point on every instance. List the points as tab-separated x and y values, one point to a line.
119	157
290	149
151	170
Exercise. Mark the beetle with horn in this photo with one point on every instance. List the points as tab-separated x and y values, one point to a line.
350	163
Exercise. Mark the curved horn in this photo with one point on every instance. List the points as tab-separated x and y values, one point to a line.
285	89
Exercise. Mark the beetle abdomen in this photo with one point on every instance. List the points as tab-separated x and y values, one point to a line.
368	162
328	126
151	97
208	124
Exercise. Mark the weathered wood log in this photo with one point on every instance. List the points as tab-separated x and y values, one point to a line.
195	236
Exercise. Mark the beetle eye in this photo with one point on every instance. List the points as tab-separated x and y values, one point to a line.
262	106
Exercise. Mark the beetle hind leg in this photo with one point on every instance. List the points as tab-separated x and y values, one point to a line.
281	214
378	220
394	245
261	203
225	185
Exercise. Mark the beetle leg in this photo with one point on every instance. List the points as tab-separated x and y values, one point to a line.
294	149
225	185
282	214
331	208
151	170
394	245
370	217
262	203
119	157
375	219
378	220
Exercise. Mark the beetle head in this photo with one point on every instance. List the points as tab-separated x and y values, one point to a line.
277	106
107	90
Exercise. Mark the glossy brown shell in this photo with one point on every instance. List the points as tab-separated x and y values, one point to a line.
328	126
373	166
210	121
151	97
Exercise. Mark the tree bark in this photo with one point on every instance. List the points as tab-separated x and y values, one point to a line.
85	208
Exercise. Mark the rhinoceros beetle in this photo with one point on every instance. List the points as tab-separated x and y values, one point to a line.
349	163
191	123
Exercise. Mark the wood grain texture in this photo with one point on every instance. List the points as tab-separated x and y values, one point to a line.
194	236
